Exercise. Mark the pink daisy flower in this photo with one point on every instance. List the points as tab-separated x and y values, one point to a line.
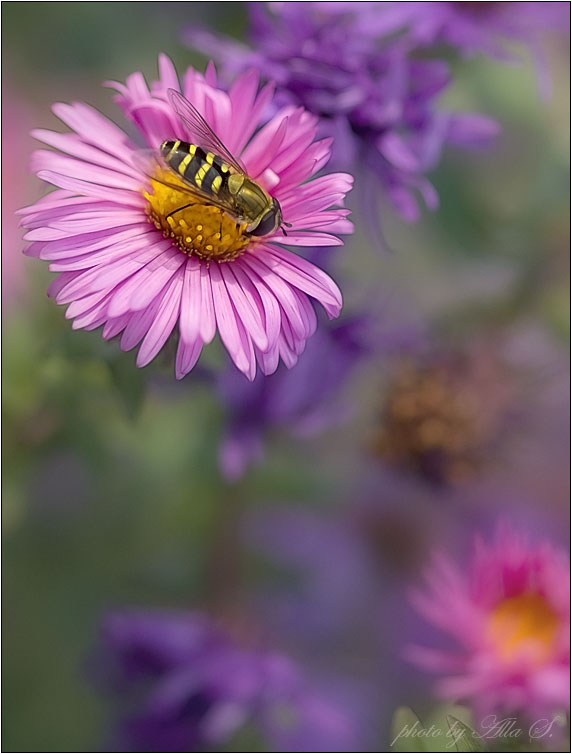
128	262
509	613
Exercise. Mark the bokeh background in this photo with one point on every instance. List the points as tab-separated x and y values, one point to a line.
113	493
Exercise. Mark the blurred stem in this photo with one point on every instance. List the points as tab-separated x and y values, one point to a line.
225	556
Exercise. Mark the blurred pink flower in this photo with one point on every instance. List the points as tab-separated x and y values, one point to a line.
140	277
15	139
509	613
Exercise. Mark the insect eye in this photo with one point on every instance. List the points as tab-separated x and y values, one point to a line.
267	224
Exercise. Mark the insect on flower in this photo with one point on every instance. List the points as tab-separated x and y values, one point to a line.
212	175
186	237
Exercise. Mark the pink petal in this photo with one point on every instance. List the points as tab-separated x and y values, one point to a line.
282	292
92	317
108	275
82	305
114	326
92	225
259	153
93	127
137	292
256	111
156	274
241	98
164	322
73	145
130	198
60	282
88	243
252	284
43	159
187	357
308	239
288	356
231	333
305	276
269	361
139	323
207	324
189	324
41	212
167	73
245	307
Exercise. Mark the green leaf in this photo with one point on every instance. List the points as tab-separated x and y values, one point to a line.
443	731
404	725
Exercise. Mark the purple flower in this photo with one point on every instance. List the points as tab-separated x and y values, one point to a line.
489	28
192	688
373	90
123	260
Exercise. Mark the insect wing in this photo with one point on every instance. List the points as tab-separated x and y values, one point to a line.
150	162
200	131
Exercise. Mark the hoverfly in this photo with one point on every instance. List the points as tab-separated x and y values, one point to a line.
210	174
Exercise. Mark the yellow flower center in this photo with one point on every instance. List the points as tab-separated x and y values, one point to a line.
201	229
523	624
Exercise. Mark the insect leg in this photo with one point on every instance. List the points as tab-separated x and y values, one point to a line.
181	208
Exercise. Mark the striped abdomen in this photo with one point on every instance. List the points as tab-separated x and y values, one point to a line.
238	195
205	170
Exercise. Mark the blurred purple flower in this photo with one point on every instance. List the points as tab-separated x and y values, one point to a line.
489	28
302	401
192	688
372	90
334	583
509	614
329	580
315	396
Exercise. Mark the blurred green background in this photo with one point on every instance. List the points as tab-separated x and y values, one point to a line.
112	493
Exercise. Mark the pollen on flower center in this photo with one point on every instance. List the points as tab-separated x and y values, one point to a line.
429	421
523	623
200	230
443	416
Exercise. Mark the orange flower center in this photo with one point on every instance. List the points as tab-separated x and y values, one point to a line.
200	230
525	624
